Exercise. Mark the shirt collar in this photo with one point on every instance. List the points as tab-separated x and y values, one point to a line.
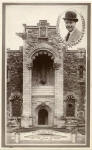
72	31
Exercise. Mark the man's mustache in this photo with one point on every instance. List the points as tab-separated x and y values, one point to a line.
68	27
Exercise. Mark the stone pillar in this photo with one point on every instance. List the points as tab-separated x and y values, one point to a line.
10	108
27	109
58	94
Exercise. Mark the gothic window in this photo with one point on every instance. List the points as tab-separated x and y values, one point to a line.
81	69
70	106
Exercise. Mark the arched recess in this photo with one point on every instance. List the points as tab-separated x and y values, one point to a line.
43	69
43	115
16	103
44	47
70	106
53	54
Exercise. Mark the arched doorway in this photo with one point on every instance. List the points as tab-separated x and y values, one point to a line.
43	117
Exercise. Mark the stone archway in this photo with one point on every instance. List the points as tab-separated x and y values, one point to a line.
51	78
43	115
43	71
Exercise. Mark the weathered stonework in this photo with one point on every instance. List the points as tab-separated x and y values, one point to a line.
42	40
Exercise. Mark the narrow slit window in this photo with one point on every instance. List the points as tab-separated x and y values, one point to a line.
81	70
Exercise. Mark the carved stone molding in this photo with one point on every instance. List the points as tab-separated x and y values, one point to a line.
43	104
29	65
57	64
35	48
15	95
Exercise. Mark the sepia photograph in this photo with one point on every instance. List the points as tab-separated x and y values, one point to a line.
46	60
71	27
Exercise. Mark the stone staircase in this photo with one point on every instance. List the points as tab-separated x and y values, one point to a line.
40	128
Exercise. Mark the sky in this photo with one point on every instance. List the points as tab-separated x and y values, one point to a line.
17	15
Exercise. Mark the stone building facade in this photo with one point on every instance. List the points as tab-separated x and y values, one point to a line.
46	81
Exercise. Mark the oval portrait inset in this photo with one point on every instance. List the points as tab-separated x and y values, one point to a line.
71	27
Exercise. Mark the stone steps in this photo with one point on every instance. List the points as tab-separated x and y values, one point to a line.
43	90
40	128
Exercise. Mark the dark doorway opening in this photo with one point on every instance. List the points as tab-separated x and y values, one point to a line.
43	117
43	71
70	110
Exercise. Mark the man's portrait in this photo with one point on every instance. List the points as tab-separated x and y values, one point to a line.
71	27
71	20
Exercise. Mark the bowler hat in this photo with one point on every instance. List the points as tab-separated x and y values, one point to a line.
70	15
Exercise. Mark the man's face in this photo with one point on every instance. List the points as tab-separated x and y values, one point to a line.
70	25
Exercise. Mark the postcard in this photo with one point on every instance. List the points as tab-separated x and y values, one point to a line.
46	75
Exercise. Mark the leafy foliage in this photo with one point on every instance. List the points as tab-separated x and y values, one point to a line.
15	70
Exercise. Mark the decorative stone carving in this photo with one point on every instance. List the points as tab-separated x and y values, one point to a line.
32	42
15	95
56	64
70	98
43	104
43	32
43	23
29	65
16	101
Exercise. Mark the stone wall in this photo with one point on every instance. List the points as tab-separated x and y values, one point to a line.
14	71
74	84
